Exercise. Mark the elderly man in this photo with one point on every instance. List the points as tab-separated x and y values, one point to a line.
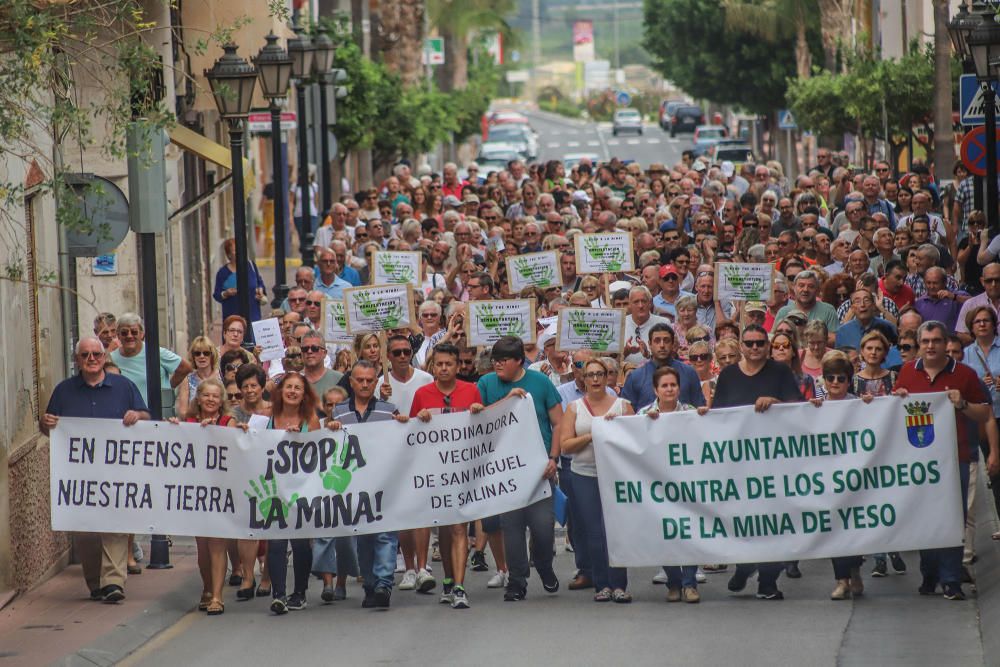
940	303
670	290
314	307
871	187
338	222
921	203
806	289
638	324
329	282
105	328
97	394
347	272
305	278
452	184
130	357
990	297
296	300
863	306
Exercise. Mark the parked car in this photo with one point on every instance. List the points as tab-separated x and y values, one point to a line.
570	160
494	156
516	134
686	118
706	136
627	120
667	109
738	154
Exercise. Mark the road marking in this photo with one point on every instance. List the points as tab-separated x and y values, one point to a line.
572	144
553	144
674	141
633	142
593	143
652	140
613	142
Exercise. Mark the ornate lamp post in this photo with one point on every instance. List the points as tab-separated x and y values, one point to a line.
322	64
300	48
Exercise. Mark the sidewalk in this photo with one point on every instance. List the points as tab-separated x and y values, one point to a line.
57	623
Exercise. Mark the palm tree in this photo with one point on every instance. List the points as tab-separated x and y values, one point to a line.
399	31
456	21
769	21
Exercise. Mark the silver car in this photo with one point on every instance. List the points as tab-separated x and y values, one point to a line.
627	120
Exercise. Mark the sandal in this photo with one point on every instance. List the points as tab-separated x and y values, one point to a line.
995	536
206	599
603	595
216	608
621	597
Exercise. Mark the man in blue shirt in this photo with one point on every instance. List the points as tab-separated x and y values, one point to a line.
850	333
510	378
638	389
95	393
327	281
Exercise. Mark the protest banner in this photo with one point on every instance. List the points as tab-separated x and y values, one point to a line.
267	334
744	282
489	321
603	253
598	329
792	483
536	269
185	479
333	322
392	267
379	308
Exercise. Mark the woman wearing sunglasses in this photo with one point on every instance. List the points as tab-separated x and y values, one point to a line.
204	358
838	378
700	358
785	350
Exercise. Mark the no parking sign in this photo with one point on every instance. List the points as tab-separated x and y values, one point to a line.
974	151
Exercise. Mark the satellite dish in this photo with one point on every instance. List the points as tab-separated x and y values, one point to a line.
97	215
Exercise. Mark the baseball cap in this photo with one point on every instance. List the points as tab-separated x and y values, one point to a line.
667	225
797	316
755	307
471	198
581	195
619	284
699	166
657	167
667	269
451	200
728	169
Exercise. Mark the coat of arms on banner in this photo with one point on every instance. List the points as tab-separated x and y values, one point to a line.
919	424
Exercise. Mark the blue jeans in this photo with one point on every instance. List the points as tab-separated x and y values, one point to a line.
681	576
335	555
377	557
277	565
581	555
589	501
945	565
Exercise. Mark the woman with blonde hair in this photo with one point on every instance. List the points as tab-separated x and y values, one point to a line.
204	359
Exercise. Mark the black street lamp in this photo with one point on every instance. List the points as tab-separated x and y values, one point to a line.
300	48
322	64
982	46
274	68
232	80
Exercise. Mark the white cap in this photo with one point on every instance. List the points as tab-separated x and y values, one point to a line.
728	169
581	195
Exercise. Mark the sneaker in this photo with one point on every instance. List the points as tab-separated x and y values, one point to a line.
673	595
447	586
880	569
550	582
660	577
382	595
498	580
898	566
96	595
409	581
459	599
112	594
513	594
327	595
792	570
369	601
137	554
699	576
479	562
296	601
400	563
773	594
738	581
928	586
279	606
425	582
842	590
436	553
953	592
690	595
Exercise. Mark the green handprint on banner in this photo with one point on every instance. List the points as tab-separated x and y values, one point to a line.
603	341
516	328
612	258
579	323
338	478
487	318
266	495
524	268
339	315
593	247
614	261
366	305
546	277
392	318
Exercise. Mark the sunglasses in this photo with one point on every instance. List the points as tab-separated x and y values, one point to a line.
781	346
314	303
699	357
906	347
760	342
129	333
312	348
201	353
699	339
234	397
91	355
403	352
840	379
233	366
296	299
670	277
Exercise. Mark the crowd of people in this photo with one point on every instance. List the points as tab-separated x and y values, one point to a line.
884	284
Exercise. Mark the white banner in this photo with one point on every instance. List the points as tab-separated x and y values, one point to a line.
744	282
379	308
793	483
395	267
598	329
185	479
333	323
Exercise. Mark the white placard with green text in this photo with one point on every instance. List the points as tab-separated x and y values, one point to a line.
743	282
488	321
536	269
379	308
391	267
604	253
598	329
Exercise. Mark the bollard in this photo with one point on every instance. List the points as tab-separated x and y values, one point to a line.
159	553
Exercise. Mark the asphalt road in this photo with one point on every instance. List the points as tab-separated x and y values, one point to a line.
560	136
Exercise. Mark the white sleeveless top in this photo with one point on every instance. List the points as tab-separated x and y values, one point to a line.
583	461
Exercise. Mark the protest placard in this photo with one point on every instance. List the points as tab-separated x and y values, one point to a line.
795	482
488	321
185	479
379	308
598	329
536	269
743	282
391	267
333	322
603	253
267	334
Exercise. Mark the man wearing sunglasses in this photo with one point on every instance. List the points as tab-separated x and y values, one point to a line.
806	290
319	377
130	357
329	282
444	395
95	393
759	381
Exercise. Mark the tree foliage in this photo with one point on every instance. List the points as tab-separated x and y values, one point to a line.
690	47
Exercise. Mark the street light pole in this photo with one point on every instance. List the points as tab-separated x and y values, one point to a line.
992	194
240	219
300	48
322	62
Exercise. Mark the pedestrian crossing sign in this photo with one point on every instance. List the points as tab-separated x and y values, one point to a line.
786	121
972	108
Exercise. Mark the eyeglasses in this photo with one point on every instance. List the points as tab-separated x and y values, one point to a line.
234	397
670	277
906	347
982	322
201	353
402	352
312	348
296	299
781	346
757	342
314	303
839	379
91	355
234	330
129	333
595	375
881	169
699	357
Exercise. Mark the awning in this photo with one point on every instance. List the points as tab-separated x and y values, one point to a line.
209	150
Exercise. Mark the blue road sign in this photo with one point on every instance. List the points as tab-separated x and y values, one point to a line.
622	98
786	121
971	104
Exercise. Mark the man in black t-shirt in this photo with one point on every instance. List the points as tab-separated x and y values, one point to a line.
759	381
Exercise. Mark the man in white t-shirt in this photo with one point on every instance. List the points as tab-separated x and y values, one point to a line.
638	323
404	379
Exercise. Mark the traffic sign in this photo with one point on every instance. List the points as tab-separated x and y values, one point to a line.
974	151
786	121
971	108
260	122
622	98
433	51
